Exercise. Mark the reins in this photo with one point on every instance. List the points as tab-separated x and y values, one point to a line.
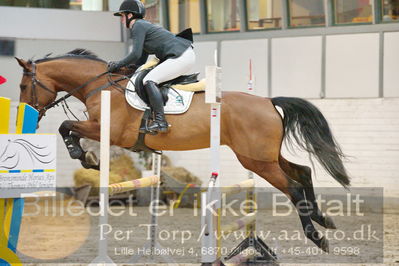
69	94
63	99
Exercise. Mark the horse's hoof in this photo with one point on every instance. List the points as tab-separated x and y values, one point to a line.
75	153
324	245
91	158
329	223
89	166
74	150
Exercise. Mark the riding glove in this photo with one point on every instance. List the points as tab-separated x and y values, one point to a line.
114	66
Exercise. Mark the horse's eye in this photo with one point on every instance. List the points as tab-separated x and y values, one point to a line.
23	87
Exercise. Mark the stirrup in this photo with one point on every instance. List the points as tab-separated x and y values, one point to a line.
145	129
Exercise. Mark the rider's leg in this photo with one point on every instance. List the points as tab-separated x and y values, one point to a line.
168	70
172	68
154	95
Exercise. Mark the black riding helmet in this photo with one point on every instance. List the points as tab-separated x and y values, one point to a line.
135	7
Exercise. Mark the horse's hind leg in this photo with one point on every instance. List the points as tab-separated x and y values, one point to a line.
303	175
72	132
272	173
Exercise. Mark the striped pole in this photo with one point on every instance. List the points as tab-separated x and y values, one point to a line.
237	188
238	224
153	244
133	184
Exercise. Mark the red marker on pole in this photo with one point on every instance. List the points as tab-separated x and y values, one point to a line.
250	82
2	80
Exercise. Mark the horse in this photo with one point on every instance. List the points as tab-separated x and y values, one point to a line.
250	125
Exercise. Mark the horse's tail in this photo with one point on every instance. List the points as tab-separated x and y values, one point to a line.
304	123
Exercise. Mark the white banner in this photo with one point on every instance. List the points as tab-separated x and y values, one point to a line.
27	164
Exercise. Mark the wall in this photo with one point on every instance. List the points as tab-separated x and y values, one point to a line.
204	56
357	65
352	68
296	66
391	64
235	65
58	24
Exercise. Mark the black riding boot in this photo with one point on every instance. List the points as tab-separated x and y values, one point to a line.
154	95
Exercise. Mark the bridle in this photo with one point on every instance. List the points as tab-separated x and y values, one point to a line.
35	81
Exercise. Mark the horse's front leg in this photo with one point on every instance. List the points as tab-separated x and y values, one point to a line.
72	132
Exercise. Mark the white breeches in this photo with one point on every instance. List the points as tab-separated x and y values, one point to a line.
172	68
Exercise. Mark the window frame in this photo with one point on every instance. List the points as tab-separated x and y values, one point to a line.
224	31
289	25
167	17
380	12
246	15
334	19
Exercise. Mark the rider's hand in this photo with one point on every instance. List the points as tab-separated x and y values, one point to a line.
113	66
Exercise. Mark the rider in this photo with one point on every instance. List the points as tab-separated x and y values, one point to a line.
175	53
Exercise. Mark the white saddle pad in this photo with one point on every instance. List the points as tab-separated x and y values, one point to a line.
178	103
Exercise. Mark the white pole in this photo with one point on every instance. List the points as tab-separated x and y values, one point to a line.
210	219
251	90
102	258
156	167
152	246
250	228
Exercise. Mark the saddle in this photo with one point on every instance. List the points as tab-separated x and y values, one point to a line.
185	82
180	89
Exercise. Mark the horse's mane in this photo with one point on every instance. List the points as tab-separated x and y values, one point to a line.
77	53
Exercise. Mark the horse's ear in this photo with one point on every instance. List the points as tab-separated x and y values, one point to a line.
22	63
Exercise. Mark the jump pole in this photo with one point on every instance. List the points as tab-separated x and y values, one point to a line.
106	189
153	244
103	257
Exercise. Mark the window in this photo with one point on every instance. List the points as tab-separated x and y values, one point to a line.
7	47
223	15
263	14
153	11
184	14
390	10
306	13
90	5
353	11
75	4
36	3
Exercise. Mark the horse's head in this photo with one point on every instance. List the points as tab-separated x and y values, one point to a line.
37	89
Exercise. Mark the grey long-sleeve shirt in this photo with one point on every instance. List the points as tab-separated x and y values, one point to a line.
153	39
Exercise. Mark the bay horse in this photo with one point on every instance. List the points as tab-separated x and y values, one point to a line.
250	125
